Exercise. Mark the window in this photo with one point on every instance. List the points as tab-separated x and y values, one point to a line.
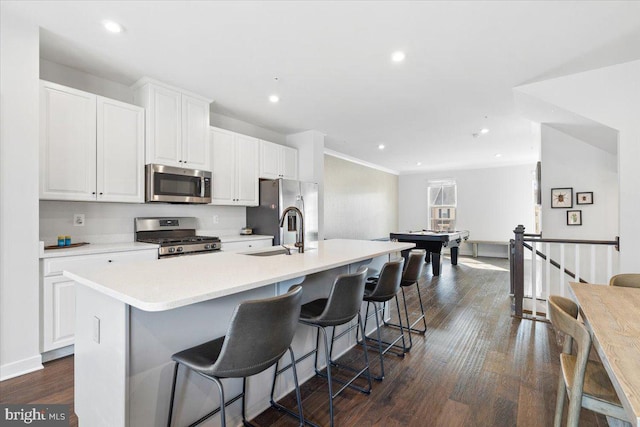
442	205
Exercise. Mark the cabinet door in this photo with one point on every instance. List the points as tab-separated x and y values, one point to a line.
269	157
195	133
247	154
59	312
222	167
67	143
120	157
164	131
288	163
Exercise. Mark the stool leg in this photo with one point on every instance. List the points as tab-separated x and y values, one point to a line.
173	393
366	352
295	381
381	377
244	396
406	314
328	359
223	419
424	319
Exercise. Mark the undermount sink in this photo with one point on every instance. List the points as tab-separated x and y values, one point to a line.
273	252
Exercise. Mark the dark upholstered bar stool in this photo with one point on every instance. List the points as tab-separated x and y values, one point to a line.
259	334
384	289
410	276
342	306
585	382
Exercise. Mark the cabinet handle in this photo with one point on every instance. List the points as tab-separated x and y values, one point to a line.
93	192
101	194
110	260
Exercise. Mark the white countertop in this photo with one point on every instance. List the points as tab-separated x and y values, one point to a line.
175	282
97	248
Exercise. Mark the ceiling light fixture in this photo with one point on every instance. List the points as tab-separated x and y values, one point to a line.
112	26
498	155
381	147
398	56
274	98
484	131
419	164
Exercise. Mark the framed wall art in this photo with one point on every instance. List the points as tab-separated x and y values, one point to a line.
562	197
574	217
584	198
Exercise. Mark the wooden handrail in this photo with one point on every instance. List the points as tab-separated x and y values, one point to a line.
573	241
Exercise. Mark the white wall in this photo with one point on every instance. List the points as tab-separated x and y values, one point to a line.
569	162
610	96
19	312
361	202
491	203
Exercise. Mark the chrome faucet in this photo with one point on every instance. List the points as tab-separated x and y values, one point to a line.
299	231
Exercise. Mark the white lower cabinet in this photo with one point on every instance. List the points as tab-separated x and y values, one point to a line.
58	292
239	246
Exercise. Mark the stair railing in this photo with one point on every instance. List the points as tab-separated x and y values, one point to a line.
549	266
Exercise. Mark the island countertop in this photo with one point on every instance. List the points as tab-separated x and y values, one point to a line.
176	282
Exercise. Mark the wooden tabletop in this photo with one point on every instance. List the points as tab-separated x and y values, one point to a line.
613	315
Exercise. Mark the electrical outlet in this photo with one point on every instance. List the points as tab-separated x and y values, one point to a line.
78	220
216	219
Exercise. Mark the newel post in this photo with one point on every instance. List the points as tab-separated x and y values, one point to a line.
517	270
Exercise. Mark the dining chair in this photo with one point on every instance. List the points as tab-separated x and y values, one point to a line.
627	280
585	382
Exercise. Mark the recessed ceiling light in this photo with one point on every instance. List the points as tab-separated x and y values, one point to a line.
112	26
484	131
381	147
498	155
419	164
398	56
274	98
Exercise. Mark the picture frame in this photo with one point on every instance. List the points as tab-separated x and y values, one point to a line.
562	197
584	198
574	217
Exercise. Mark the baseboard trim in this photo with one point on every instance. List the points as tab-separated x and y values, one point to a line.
21	367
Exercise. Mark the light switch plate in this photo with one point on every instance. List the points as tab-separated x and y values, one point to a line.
96	329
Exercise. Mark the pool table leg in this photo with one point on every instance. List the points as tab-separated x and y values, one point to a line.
435	263
454	255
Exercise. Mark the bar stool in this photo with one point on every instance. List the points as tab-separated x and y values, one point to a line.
410	276
384	289
259	334
342	306
585	381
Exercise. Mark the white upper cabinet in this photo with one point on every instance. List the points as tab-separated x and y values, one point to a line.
177	125
120	149
278	161
91	148
234	164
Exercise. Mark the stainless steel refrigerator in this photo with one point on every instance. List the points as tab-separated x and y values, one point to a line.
275	196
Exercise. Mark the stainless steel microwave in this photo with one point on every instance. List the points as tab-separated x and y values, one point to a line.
176	185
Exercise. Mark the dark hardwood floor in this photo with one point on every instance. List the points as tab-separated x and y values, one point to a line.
475	366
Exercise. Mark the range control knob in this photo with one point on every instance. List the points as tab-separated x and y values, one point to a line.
179	249
207	246
171	250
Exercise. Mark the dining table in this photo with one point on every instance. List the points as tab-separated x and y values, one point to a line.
612	314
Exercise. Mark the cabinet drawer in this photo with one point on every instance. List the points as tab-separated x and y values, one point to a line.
242	246
57	265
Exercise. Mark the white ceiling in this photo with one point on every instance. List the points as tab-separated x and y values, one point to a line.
333	64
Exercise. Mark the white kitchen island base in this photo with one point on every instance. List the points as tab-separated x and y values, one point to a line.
123	367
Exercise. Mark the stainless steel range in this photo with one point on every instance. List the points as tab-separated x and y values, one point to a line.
175	235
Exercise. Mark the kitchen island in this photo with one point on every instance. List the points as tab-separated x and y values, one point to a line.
130	320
